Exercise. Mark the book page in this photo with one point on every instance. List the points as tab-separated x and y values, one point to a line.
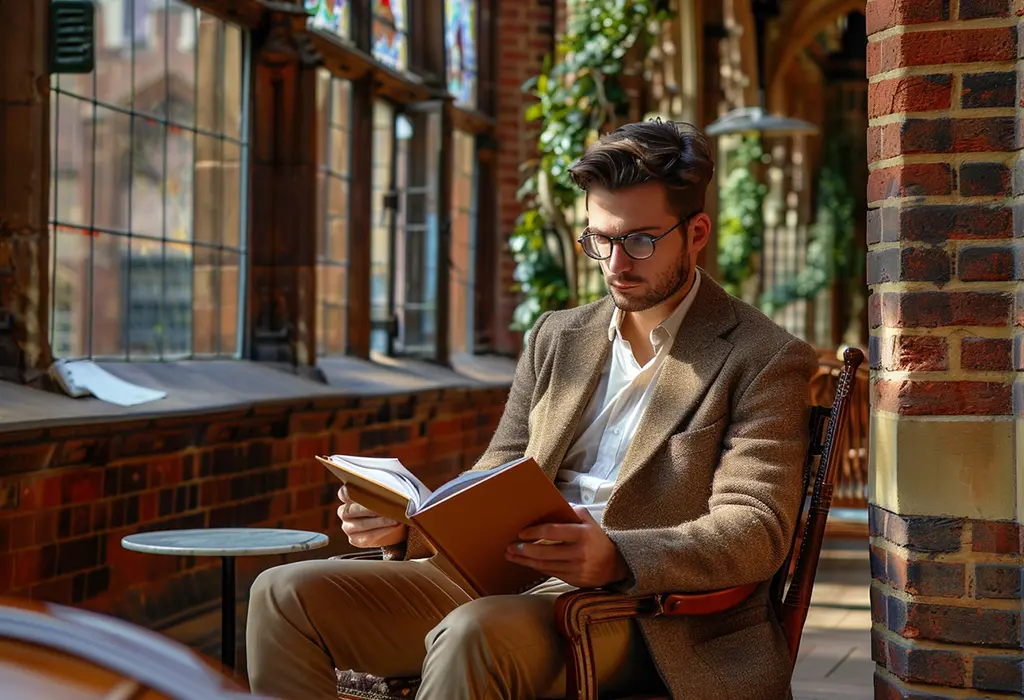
461	483
387	472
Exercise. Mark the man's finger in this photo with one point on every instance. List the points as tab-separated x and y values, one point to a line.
367	524
558	569
558	532
547	552
353	530
354	510
343	494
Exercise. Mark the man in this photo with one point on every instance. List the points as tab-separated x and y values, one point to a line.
672	413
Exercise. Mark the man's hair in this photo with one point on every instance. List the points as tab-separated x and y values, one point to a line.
675	154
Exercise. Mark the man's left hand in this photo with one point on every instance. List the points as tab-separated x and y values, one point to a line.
584	556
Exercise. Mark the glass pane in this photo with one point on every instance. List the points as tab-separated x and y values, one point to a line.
329	15
108	289
146	170
147	23
389	32
332	281
205	301
380	235
109	152
135	183
460	41
463	239
72	251
230	287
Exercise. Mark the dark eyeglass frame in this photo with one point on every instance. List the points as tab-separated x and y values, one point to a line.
621	240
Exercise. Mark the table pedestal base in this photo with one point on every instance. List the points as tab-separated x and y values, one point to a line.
227	613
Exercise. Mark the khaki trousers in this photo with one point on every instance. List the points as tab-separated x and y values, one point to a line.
406	618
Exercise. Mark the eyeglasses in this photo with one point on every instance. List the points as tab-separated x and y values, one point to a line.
638	246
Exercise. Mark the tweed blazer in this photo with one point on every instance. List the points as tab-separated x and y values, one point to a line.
709	491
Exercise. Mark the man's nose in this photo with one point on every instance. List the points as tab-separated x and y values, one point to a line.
619	262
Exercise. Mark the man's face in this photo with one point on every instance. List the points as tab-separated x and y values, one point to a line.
638	285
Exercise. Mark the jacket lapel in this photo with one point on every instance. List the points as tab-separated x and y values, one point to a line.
697	355
580	356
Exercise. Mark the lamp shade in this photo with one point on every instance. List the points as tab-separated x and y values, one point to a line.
746	119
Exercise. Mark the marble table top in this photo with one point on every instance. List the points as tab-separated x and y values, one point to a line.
224	541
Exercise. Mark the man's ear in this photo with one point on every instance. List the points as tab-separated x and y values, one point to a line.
700	225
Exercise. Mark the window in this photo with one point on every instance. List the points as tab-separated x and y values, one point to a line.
460	42
405	241
148	191
334	109
463	243
330	15
390	33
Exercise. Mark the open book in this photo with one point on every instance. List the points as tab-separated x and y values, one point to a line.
469	521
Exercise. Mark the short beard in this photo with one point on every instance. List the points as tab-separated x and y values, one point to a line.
665	288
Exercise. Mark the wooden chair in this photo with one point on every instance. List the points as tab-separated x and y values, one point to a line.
577	611
56	651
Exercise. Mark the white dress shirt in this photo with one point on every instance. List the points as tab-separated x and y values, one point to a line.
610	421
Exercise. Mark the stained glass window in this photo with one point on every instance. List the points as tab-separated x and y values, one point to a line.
331	15
460	41
390	32
149	156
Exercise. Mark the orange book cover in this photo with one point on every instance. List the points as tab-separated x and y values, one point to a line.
470	520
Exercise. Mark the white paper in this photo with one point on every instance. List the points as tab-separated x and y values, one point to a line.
84	377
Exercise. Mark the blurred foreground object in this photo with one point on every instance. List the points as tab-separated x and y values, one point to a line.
56	652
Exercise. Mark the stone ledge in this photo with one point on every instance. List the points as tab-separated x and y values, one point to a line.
198	387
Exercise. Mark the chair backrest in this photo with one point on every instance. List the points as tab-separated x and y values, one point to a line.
827	426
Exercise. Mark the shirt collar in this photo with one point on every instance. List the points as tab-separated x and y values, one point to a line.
664	332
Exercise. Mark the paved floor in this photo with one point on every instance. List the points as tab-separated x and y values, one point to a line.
835	651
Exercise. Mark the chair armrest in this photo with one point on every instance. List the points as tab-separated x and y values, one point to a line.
577	610
371	554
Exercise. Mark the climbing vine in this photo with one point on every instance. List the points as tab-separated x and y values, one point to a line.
831	248
741	218
578	95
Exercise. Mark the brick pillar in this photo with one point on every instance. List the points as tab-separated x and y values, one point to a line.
24	189
947	487
526	32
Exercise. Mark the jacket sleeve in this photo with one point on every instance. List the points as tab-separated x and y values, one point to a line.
509	441
755	497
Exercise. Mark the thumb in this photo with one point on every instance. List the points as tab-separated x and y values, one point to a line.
584	515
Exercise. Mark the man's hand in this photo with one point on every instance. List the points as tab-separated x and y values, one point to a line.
366	528
584	556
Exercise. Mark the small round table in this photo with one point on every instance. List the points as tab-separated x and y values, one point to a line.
226	543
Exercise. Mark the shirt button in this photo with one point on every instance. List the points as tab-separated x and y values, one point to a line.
588	497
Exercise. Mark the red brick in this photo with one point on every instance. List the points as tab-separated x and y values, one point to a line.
924	577
987	90
914	180
935	309
979	9
987	354
919	93
985	264
986	134
998	581
995	536
935	666
985	180
915	398
26	567
908	265
998	673
946	46
875	310
892	140
885	14
915	353
930	534
304	423
942	222
955	624
874	144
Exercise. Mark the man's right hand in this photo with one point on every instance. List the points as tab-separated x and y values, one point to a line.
366	528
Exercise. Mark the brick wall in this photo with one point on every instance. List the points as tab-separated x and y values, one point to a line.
68	495
943	249
526	35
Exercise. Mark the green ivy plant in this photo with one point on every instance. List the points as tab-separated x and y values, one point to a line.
578	95
741	217
831	248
